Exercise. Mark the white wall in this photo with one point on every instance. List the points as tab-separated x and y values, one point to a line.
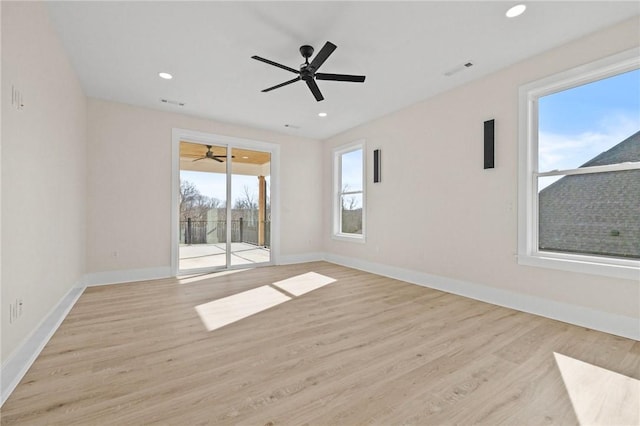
438	212
129	161
43	171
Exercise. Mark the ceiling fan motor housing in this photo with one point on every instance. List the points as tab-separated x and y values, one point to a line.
306	73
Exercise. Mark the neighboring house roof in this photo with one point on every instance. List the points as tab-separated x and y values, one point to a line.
627	150
595	213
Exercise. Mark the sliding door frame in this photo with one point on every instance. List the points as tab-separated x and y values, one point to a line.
230	142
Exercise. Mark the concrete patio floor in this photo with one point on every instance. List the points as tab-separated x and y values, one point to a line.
213	255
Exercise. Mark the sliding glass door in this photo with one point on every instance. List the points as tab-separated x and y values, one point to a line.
250	213
224	212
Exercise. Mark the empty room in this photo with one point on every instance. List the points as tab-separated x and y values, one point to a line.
320	213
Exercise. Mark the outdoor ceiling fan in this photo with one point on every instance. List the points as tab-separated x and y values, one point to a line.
209	154
308	71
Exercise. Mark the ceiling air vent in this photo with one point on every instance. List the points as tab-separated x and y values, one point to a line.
169	101
458	68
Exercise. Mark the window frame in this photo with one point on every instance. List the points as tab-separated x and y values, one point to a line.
528	174
337	193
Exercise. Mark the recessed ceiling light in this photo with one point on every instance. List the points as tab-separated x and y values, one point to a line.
245	157
165	75
516	10
322	114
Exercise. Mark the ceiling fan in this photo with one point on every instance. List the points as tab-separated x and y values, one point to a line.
308	71
209	155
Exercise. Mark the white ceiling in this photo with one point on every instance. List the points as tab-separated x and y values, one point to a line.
404	49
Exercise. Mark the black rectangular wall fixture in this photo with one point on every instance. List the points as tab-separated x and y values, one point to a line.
376	166
489	126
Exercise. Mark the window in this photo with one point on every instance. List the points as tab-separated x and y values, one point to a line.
349	192
579	181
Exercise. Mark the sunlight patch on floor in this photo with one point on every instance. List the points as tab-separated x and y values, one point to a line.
221	312
304	283
600	396
218	313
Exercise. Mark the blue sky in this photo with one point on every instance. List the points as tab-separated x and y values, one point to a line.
578	124
352	176
352	170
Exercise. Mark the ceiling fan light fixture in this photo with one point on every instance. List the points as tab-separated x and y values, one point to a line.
165	75
322	114
516	10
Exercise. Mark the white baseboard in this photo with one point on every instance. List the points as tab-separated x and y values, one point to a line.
19	362
126	276
585	317
300	258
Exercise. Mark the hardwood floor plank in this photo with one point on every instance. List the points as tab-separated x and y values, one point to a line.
364	349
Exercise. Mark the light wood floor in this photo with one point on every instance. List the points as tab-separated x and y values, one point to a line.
362	350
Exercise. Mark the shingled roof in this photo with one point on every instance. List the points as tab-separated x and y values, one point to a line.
595	213
627	150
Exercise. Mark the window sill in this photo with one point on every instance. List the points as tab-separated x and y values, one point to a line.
353	238
623	269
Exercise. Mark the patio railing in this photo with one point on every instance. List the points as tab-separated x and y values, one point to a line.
215	231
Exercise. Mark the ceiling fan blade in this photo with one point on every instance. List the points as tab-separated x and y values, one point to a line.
315	90
198	159
275	64
218	157
322	55
341	77
282	84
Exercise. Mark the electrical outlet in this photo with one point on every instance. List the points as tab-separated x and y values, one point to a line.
15	310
